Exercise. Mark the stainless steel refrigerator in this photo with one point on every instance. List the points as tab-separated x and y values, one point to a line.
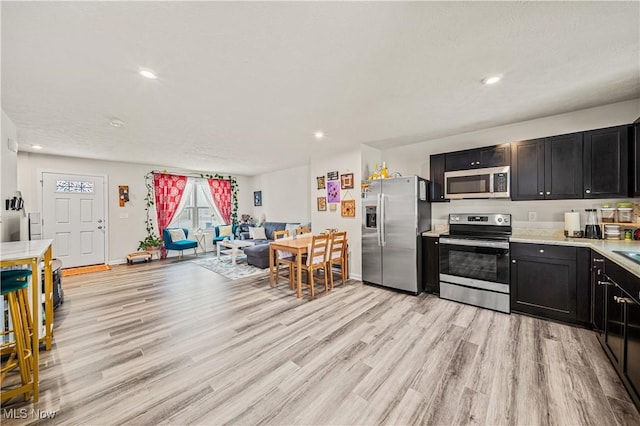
395	213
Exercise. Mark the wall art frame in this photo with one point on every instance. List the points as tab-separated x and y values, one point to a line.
322	204
257	198
348	208
346	181
333	191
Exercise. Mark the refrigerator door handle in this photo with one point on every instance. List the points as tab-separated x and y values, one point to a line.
378	220
382	220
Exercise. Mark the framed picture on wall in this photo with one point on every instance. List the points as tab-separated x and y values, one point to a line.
333	191
257	198
320	181
346	181
332	175
348	208
333	207
322	204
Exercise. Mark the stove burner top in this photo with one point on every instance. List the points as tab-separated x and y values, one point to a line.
490	227
478	237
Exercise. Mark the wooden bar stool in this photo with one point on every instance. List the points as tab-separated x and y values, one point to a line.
14	287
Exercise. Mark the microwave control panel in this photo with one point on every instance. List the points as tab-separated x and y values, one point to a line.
500	183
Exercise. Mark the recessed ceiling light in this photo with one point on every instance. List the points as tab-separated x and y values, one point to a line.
492	80
116	122
36	147
145	72
318	134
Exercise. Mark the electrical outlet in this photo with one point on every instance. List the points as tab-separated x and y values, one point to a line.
533	216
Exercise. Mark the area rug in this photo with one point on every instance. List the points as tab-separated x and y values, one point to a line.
85	270
223	266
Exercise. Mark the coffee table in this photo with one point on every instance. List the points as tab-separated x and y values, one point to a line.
233	248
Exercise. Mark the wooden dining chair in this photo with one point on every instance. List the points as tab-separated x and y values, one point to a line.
337	255
284	258
302	231
316	260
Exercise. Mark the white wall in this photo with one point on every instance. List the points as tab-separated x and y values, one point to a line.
370	157
348	162
9	219
414	159
125	225
285	195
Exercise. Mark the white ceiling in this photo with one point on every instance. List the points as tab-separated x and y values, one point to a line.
243	86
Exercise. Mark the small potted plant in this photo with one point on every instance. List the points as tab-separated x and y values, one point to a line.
150	243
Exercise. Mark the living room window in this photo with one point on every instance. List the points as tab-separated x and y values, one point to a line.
196	211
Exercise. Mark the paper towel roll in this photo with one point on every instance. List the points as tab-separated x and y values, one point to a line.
572	226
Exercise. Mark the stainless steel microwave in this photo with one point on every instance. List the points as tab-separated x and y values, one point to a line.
490	182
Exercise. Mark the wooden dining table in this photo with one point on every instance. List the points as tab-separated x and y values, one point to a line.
298	247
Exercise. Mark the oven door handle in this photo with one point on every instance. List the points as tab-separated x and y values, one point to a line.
475	243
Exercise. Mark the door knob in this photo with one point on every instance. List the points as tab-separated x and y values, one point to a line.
99	227
99	220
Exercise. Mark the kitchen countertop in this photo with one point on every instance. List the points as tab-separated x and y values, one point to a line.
604	247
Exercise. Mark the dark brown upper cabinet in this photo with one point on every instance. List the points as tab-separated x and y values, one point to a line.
635	159
606	163
436	173
489	156
547	169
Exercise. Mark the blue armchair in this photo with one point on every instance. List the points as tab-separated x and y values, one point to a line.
180	245
219	237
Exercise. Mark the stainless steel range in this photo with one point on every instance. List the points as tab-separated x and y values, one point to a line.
474	260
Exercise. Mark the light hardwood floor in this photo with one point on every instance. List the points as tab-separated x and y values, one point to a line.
174	343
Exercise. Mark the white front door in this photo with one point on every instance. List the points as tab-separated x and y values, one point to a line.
73	216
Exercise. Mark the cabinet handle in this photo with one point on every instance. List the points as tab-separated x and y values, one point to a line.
472	163
623	300
605	283
541	193
588	191
548	193
436	243
513	261
598	260
541	251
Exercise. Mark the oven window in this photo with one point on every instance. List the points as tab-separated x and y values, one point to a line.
473	265
468	184
478	263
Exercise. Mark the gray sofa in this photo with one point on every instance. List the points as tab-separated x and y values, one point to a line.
258	254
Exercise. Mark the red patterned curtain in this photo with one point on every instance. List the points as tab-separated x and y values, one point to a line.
221	191
168	190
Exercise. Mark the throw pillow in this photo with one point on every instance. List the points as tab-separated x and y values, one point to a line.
177	234
225	230
257	233
291	227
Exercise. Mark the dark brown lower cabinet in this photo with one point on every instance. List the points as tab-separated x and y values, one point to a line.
431	265
619	292
551	281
